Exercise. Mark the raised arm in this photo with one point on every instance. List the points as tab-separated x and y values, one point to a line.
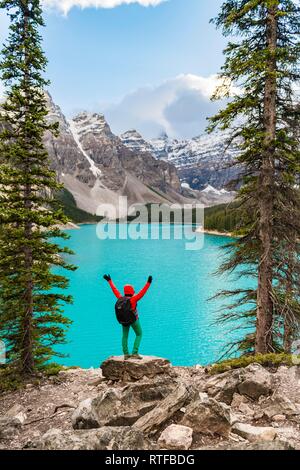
141	294
113	287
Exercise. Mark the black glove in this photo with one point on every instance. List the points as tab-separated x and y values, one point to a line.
107	277
150	279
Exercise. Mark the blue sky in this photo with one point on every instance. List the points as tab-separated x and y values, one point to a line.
145	67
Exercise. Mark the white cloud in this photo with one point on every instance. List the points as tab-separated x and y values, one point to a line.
178	106
66	5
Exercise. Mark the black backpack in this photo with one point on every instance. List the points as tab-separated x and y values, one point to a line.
124	312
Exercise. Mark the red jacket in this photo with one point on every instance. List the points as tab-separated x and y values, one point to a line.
134	299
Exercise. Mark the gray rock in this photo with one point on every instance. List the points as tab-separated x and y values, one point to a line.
288	382
119	406
257	381
280	405
271	446
238	400
223	387
9	427
176	437
17	412
278	418
254	433
85	417
151	422
289	434
208	417
246	410
252	382
107	438
116	368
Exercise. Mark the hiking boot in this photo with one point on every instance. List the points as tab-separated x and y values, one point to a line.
136	356
126	356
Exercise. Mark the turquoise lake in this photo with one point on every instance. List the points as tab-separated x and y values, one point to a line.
175	314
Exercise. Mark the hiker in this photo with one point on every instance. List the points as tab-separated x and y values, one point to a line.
127	315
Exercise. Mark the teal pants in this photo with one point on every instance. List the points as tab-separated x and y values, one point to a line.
136	326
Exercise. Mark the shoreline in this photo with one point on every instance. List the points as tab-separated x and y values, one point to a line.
74	226
215	232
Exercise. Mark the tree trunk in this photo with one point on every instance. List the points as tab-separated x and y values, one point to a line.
264	321
27	358
289	320
288	335
27	355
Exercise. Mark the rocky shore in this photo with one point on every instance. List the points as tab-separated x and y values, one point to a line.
214	232
148	404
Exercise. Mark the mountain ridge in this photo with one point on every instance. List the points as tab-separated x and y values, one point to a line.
97	167
203	160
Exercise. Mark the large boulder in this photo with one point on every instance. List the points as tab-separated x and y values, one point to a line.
252	382
207	416
120	406
116	368
254	433
280	405
223	387
152	421
9	426
288	382
176	437
18	412
107	438
256	381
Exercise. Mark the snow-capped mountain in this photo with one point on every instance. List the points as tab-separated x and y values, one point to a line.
134	141
162	146
204	160
96	166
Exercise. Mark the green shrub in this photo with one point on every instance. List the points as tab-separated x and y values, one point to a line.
268	360
9	380
51	369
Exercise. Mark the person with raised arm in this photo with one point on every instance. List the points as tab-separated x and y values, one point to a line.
127	314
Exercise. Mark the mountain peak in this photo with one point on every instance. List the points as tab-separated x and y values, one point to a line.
86	122
134	141
201	161
131	133
163	136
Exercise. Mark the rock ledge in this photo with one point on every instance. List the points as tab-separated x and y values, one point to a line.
116	368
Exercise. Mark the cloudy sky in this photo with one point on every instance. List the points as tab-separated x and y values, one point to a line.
146	64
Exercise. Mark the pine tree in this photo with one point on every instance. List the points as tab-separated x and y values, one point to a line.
31	300
263	117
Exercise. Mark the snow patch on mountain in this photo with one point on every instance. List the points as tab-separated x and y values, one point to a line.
135	142
184	153
77	132
90	122
201	161
211	189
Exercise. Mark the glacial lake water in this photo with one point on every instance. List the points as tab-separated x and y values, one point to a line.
176	316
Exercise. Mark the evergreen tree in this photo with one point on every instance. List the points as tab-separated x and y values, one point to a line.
31	317
264	64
